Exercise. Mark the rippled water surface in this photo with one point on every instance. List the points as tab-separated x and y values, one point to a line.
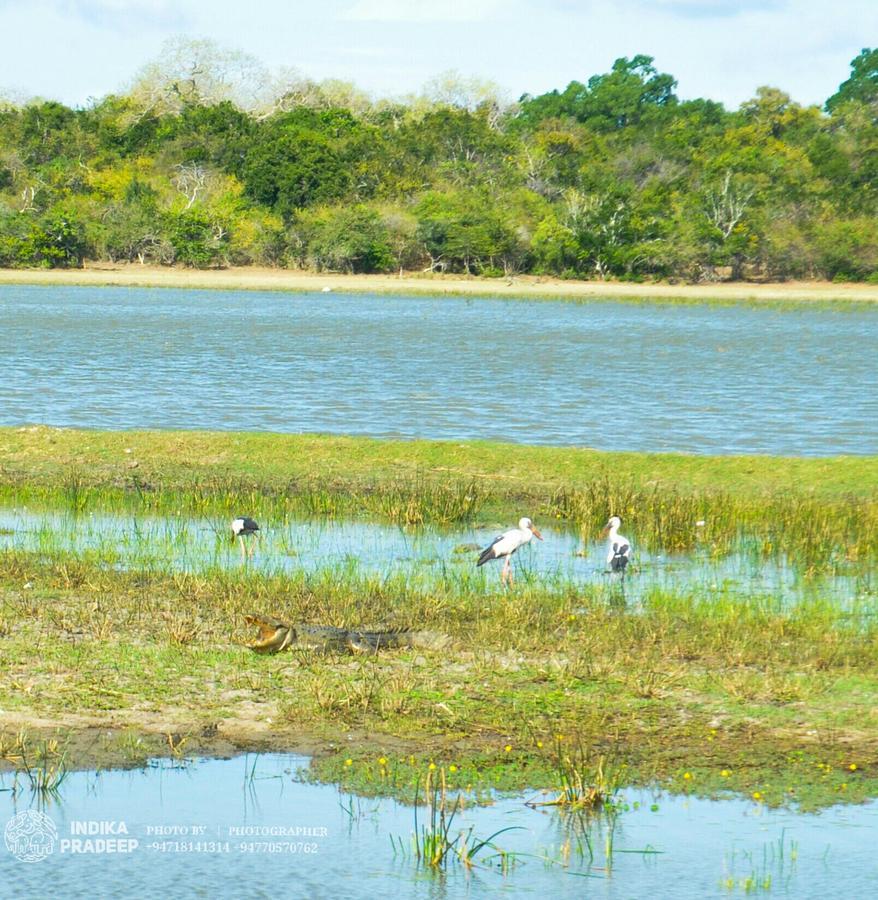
239	828
694	378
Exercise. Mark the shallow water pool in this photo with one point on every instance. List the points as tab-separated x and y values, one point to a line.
246	827
421	557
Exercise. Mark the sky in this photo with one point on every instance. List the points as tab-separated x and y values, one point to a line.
73	50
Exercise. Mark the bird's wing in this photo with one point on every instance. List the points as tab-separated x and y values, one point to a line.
488	553
508	542
502	545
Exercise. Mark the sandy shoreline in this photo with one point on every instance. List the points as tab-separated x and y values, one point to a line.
262	279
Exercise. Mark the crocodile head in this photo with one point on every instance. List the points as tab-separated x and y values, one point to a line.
273	637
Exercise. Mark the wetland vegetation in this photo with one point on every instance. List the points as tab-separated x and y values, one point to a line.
696	690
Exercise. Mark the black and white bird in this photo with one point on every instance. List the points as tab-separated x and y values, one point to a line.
618	546
244	527
506	544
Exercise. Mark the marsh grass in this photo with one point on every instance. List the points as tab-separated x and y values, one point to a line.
584	783
400	501
819	535
820	513
758	872
733	683
40	764
435	843
816	537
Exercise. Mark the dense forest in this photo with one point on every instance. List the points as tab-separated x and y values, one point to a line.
207	161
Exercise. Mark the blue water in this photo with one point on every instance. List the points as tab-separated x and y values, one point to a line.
214	815
610	375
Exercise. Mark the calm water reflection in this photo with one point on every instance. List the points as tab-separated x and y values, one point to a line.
605	374
701	843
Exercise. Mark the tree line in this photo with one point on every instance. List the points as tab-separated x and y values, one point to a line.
206	161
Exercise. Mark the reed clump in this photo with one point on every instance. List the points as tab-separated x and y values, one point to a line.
585	783
435	843
817	534
41	765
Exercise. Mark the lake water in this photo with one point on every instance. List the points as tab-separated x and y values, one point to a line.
610	375
240	828
425	557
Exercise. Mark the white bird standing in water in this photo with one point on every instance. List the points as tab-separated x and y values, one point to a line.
505	545
618	546
243	527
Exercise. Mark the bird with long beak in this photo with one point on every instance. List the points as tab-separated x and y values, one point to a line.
506	544
618	546
244	527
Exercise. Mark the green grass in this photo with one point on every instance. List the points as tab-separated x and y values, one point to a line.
822	513
697	691
688	684
201	463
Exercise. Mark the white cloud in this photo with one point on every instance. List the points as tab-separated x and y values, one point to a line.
721	49
715	8
421	10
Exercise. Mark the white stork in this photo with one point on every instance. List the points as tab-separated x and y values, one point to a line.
243	527
506	544
618	546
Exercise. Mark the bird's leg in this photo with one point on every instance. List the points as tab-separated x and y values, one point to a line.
506	573
243	549
252	548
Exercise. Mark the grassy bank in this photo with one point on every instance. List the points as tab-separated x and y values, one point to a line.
695	691
192	460
532	287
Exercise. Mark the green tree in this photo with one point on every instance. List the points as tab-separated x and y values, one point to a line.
345	239
617	99
299	160
861	87
196	239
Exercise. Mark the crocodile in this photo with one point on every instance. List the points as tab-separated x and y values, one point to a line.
275	636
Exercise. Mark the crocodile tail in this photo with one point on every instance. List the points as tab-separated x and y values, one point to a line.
428	640
373	641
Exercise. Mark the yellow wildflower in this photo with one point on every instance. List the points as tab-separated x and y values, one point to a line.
348	762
